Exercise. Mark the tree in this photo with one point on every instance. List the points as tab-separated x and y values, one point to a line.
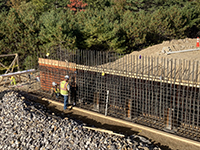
19	30
98	4
135	26
56	30
3	5
102	32
77	5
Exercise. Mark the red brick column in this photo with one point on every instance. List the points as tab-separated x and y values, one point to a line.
54	71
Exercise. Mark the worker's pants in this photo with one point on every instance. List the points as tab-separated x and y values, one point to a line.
56	94
13	82
65	101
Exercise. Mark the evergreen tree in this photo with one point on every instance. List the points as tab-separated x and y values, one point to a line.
98	4
102	31
55	30
3	5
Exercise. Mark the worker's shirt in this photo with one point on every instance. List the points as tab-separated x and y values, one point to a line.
12	78
64	88
56	90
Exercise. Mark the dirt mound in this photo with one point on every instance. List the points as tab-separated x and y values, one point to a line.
152	63
173	45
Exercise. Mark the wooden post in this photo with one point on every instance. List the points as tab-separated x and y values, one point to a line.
169	119
106	110
17	62
128	109
96	101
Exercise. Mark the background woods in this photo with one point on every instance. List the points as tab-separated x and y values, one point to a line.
33	27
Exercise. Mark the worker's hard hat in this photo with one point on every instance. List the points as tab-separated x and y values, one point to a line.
54	84
66	77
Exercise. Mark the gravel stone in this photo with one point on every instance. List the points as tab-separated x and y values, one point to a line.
28	125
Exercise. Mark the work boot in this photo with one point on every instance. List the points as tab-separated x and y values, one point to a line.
71	108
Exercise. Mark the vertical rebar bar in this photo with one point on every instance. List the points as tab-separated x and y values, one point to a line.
183	97
198	106
134	91
156	90
152	87
164	88
195	94
174	94
149	87
143	86
131	88
179	91
160	90
137	88
191	94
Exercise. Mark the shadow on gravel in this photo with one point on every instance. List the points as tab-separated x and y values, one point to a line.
115	128
2	93
162	147
91	121
97	124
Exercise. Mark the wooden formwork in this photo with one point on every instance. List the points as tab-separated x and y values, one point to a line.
15	63
10	68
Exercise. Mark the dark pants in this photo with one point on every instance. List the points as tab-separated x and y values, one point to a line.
73	97
56	94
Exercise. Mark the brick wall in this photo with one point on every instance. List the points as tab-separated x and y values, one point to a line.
54	71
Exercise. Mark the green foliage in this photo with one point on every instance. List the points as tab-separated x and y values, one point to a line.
30	62
37	26
135	27
3	5
40	5
19	30
102	32
10	30
98	4
55	30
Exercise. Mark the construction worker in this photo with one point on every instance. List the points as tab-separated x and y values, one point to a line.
55	90
38	78
64	90
73	89
12	80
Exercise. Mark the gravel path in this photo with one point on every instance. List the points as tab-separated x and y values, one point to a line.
28	125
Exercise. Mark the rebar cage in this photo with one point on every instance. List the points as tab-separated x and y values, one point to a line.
154	91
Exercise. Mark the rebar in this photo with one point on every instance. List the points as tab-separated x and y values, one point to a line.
157	92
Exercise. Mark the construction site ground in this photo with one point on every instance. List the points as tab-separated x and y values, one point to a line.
92	120
162	141
174	45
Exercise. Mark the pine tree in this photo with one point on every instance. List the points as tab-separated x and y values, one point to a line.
101	31
56	30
